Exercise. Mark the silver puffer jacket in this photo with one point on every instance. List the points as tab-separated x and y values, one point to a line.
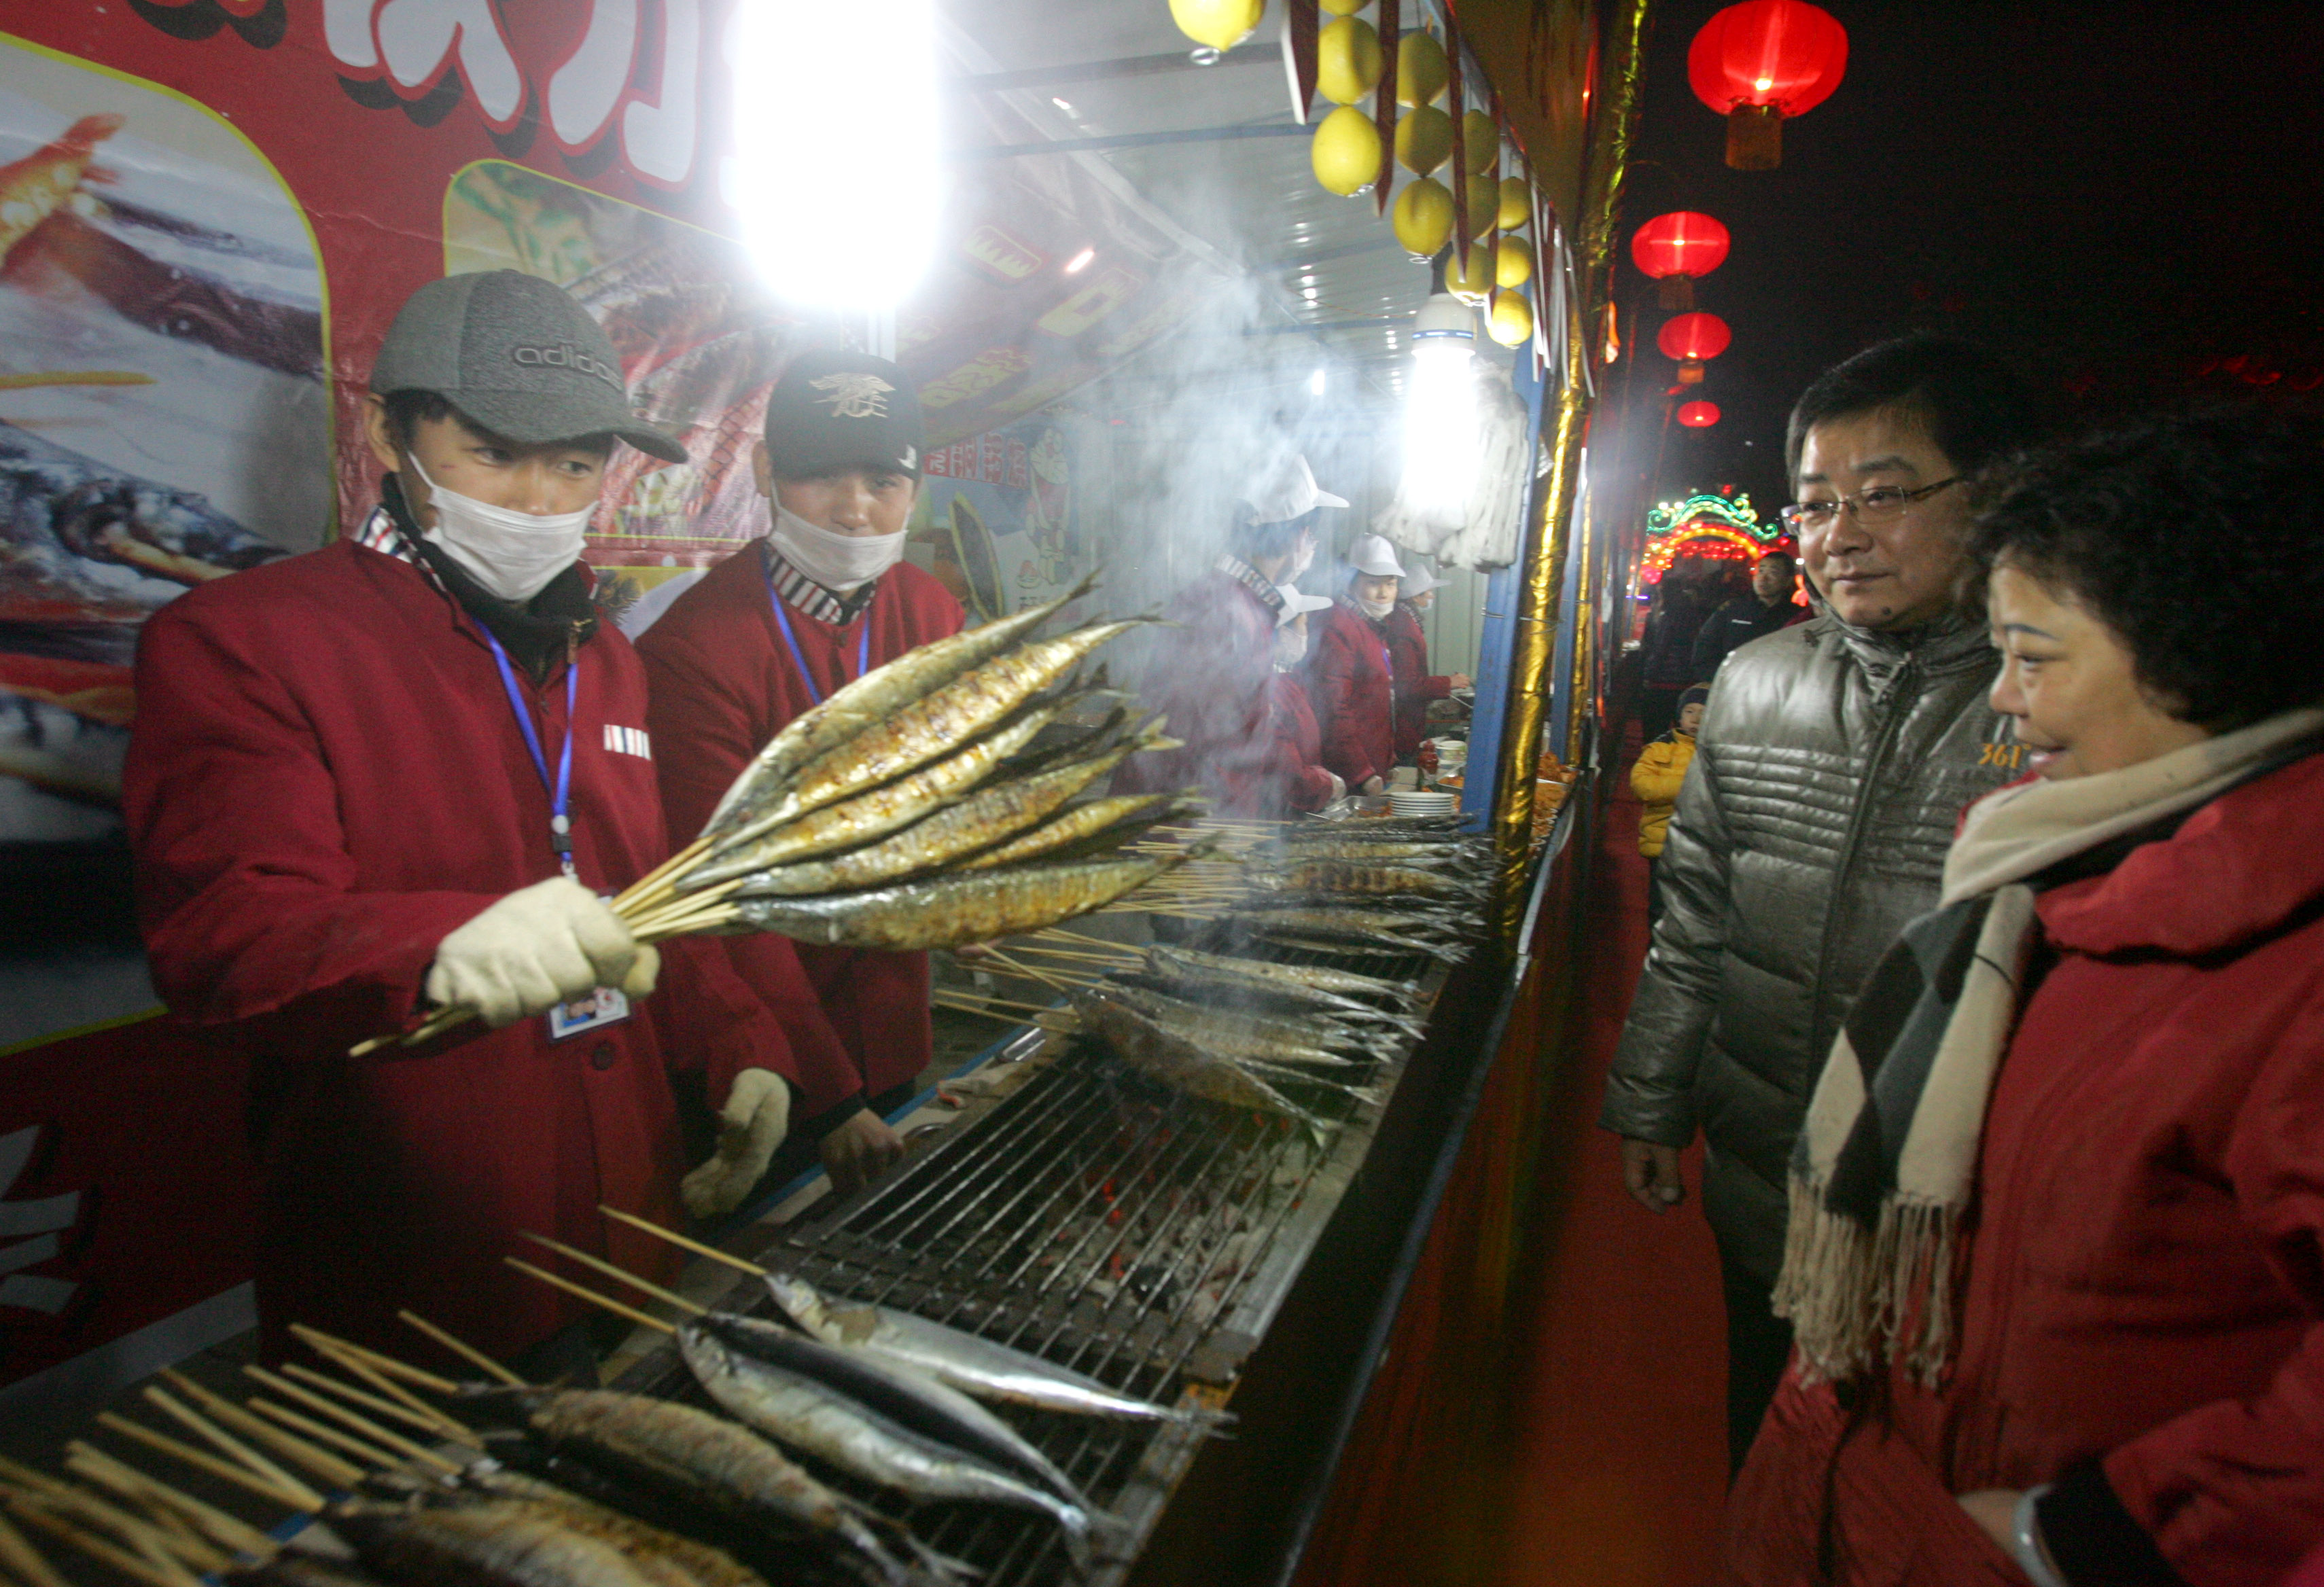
1829	773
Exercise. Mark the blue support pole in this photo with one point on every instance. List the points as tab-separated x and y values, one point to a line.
1497	639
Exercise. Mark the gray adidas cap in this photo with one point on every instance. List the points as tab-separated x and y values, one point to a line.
517	355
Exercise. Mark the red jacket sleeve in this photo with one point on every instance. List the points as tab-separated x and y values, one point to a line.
1344	730
1300	785
247	892
698	724
2230	1490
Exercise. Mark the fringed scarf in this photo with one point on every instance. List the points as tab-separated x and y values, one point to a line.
1887	1160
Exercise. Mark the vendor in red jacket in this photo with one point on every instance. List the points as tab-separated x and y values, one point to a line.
398	773
1211	673
1297	778
771	633
1351	676
1408	649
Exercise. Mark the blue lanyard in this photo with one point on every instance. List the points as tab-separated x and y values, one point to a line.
783	621
560	792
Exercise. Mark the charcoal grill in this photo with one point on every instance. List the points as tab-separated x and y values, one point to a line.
1134	1235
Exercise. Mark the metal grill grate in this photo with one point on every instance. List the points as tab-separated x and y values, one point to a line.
1109	1226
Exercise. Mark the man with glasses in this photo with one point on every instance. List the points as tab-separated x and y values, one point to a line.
1760	610
1831	763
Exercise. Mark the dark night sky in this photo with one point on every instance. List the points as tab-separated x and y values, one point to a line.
2118	197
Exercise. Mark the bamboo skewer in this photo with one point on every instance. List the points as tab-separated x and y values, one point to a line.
227	1531
318	1463
290	1488
1026	971
608	1302
458	1431
377	1458
597	1264
29	1564
349	1392
326	1345
202	1460
136	1566
386	1444
120	1480
166	1541
684	1244
464	1350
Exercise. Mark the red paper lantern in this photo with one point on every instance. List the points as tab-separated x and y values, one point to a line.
1760	62
1697	416
1693	337
1673	249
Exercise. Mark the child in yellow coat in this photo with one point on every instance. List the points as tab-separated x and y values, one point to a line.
1656	777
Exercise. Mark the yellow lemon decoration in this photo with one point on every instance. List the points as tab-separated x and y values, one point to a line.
1480	140
1424	216
1517	203
1512	262
1484	205
1421	72
1424	140
1345	8
1511	322
1467	273
1220	24
1348	60
1346	151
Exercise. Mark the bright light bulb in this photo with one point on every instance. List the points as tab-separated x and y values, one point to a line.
1441	436
1764	84
811	148
1315	383
1080	262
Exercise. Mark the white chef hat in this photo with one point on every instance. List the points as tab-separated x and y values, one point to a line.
1285	490
1417	581
1295	602
1372	556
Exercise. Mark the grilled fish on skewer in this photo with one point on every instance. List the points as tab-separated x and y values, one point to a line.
486	1545
969	1363
1307	977
906	1397
983	818
1357	850
870	700
1234	1033
951	910
1098	817
296	1567
1332	876
643	1542
811	1416
1444	829
874	814
699	1460
1162	1056
960	712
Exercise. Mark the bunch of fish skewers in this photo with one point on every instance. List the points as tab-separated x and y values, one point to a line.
420	1481
1239	1026
930	803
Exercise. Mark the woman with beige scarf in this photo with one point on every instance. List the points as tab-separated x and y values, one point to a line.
2056	1256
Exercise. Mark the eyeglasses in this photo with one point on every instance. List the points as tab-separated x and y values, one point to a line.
1879	505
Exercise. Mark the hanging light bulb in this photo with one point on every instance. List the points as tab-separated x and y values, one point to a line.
813	147
1441	436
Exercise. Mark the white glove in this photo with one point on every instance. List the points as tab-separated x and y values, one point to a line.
541	946
756	1118
1339	787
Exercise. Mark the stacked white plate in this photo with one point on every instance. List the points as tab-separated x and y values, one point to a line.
1405	803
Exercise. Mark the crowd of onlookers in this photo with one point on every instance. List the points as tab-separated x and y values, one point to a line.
1988	960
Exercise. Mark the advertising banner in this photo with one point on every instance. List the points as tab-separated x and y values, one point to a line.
209	212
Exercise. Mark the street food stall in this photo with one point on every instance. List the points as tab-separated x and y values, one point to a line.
1242	1147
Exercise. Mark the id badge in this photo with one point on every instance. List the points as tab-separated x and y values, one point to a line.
607	1005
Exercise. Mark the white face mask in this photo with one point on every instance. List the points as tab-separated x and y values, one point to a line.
514	554
1290	647
1300	563
1376	611
835	561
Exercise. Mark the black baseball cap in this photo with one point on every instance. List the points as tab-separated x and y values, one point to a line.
837	410
517	356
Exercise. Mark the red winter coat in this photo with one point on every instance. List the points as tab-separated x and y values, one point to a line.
326	778
1351	682
1209	675
1297	778
1408	650
724	683
2145	1298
